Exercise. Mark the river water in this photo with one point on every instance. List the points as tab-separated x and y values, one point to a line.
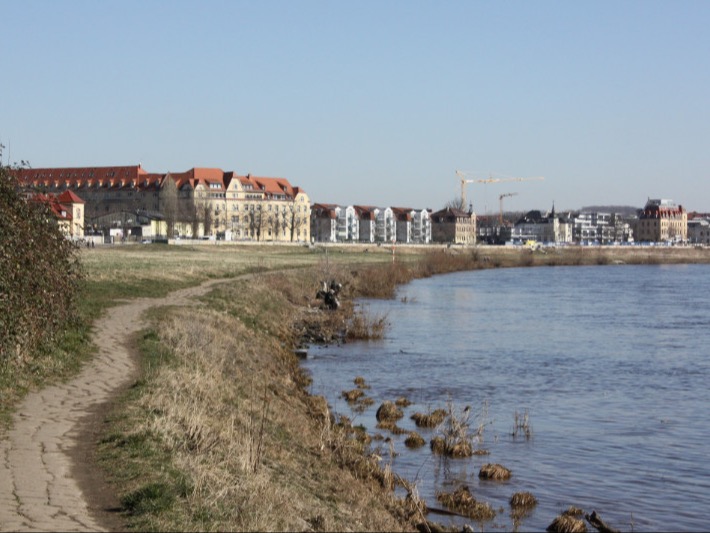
610	363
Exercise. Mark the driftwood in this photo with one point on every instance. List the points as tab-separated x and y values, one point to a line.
595	520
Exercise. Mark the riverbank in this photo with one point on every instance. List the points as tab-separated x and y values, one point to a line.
217	432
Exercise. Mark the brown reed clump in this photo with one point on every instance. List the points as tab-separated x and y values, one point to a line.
463	502
494	471
523	500
402	402
388	411
573	511
351	396
414	440
566	523
430	420
391	426
364	326
359	382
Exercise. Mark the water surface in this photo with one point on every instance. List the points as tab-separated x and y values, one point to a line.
610	362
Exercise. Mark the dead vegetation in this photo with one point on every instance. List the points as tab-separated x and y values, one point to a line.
414	440
494	472
462	502
429	420
228	438
456	439
218	434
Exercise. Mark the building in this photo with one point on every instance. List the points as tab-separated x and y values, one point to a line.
699	231
357	223
539	227
455	226
201	202
68	209
601	228
661	220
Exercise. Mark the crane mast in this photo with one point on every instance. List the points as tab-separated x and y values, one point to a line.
500	199
464	175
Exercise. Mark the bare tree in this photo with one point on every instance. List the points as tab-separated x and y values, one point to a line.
169	207
296	219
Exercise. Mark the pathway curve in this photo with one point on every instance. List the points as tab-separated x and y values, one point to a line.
46	469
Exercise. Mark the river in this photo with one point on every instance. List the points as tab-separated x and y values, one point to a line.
609	362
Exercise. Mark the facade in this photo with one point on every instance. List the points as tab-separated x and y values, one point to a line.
367	224
534	226
661	220
68	209
201	202
699	231
601	228
455	226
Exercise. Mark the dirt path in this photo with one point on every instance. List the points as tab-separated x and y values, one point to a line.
48	481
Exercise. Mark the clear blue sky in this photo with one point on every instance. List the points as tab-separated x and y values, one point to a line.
372	102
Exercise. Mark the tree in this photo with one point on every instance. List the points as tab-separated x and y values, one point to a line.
295	220
169	200
456	203
39	275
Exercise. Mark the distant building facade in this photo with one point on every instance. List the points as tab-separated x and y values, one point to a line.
68	211
200	202
367	224
699	231
661	220
455	226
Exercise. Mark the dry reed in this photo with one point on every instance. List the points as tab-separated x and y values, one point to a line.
494	472
429	420
463	502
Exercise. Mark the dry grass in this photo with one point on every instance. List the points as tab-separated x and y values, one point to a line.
567	524
364	326
218	433
429	420
494	472
521	424
227	411
352	396
402	402
456	438
522	500
463	502
414	440
388	412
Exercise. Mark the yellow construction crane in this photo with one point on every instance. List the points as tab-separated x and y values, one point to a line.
500	199
463	175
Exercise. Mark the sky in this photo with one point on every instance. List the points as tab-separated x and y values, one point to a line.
372	102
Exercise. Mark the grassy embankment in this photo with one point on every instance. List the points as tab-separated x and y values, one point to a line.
218	432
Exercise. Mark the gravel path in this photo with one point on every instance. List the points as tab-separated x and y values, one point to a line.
48	479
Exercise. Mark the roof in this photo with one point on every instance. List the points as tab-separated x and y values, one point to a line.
60	205
135	176
68	197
